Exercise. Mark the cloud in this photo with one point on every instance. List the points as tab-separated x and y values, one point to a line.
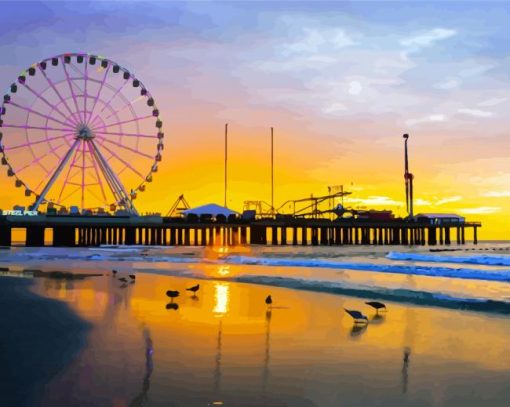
481	210
497	194
475	112
375	200
422	202
428	38
443	201
313	40
427	119
355	88
492	102
449	84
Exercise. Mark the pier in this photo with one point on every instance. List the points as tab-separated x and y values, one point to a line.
89	231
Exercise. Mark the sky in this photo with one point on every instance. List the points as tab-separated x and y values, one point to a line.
340	82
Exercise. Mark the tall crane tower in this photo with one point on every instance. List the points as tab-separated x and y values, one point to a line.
408	178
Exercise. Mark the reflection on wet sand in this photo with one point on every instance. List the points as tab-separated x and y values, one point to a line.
142	397
405	369
267	355
216	344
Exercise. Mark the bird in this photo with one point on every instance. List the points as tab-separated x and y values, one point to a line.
123	279
132	277
377	305
269	300
357	316
172	294
194	289
114	272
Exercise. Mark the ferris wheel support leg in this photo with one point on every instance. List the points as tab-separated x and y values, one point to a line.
116	193
115	182
55	175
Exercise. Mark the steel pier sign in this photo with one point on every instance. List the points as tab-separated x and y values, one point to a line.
19	213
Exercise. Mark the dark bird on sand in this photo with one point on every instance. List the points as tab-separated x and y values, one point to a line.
357	316
132	276
269	300
194	289
123	279
172	294
377	305
114	272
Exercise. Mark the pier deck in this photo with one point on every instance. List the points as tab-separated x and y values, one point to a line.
70	231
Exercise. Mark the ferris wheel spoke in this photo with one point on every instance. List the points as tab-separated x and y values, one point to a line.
127	164
83	175
85	97
126	148
70	84
41	157
96	98
113	181
28	109
38	142
67	175
128	104
136	119
40	96
97	172
55	175
27	127
126	134
69	195
62	100
107	104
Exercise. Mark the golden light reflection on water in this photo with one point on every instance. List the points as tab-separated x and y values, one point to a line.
221	298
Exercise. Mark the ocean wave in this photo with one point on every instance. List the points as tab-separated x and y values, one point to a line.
449	272
482	259
380	293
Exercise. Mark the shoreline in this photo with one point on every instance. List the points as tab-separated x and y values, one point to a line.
40	337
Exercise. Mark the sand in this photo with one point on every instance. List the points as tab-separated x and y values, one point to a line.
225	346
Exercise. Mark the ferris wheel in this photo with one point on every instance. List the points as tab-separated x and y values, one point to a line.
80	130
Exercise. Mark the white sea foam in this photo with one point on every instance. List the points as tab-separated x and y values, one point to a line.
482	259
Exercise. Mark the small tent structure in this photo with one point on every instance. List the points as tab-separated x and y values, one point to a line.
211	210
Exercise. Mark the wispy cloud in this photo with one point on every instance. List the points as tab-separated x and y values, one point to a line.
314	40
497	194
449	84
450	199
492	102
375	200
427	38
427	119
481	210
475	113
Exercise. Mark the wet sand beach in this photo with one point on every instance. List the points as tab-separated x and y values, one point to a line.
225	346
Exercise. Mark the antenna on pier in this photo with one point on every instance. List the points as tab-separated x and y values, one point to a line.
226	143
272	175
408	179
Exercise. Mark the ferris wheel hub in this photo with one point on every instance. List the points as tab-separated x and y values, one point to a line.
83	132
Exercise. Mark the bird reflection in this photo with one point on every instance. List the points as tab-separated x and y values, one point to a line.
142	398
267	356
405	368
358	330
377	319
217	369
172	305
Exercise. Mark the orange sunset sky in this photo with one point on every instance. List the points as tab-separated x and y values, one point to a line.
340	82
